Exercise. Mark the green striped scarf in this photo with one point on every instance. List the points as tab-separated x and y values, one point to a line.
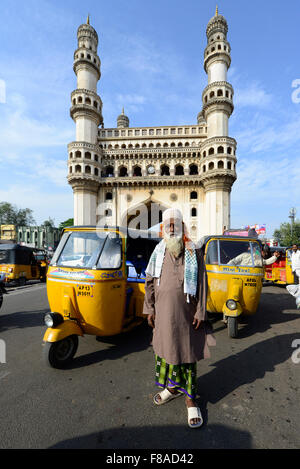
155	264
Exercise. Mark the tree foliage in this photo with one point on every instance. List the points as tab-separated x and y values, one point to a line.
49	223
64	224
287	236
12	215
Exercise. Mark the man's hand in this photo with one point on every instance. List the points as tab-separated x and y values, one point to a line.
196	323
277	254
151	320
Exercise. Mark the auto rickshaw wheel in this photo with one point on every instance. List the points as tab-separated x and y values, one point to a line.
232	325
60	354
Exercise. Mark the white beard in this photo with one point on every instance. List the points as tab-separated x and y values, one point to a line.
174	245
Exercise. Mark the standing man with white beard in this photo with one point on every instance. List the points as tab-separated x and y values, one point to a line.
175	302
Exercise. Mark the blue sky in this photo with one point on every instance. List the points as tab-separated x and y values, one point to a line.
152	64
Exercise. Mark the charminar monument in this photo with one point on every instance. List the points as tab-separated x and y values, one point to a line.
129	175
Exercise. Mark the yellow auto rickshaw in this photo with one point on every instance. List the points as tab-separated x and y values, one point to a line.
95	285
280	272
235	272
20	264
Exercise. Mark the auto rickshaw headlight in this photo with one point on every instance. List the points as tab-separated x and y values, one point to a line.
231	304
53	319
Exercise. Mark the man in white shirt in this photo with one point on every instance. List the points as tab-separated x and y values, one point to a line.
296	263
295	289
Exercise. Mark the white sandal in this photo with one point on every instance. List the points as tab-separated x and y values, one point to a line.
165	396
194	413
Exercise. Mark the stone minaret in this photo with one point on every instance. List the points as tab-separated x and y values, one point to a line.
219	149
84	164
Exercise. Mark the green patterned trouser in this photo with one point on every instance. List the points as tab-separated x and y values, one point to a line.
182	377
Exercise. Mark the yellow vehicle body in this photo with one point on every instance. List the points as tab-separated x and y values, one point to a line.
280	272
236	285
19	264
94	301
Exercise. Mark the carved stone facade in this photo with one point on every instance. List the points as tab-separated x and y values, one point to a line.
117	173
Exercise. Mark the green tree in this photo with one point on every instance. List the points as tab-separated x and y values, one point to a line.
64	224
287	236
11	215
50	223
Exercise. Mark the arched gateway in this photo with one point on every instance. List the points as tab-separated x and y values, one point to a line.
119	174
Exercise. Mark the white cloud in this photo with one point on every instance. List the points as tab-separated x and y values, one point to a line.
55	204
252	95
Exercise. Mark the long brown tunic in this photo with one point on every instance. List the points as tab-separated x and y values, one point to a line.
174	337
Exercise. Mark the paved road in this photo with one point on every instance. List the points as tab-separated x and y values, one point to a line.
248	389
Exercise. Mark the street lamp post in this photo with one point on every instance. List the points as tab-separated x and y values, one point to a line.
292	216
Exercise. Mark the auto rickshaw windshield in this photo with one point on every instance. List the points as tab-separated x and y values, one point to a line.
82	249
238	253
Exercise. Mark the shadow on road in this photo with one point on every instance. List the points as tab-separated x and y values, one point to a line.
22	319
122	345
163	437
245	367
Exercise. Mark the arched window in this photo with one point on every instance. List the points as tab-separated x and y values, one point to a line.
116	147
96	104
165	170
123	145
229	165
186	144
211	151
96	172
211	165
78	154
220	164
87	155
137	145
204	168
88	101
123	171
70	170
157	145
194	195
193	169
166	145
108	196
87	170
229	150
109	171
71	155
194	212
78	168
179	171
180	144
96	157
220	150
211	94
204	154
137	171
220	92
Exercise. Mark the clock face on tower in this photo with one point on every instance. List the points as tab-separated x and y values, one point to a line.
151	170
